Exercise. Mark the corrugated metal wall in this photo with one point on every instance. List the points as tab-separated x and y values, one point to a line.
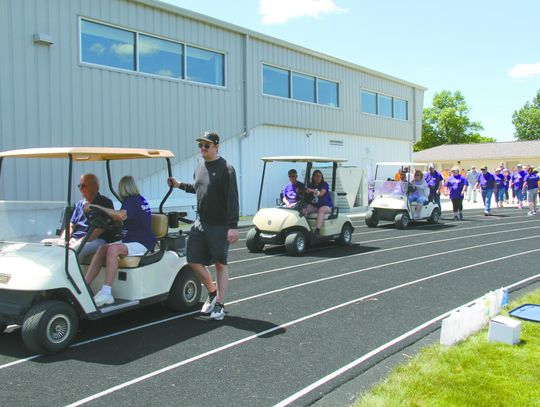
48	98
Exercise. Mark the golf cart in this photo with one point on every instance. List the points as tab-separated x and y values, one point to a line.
289	226
42	285
391	197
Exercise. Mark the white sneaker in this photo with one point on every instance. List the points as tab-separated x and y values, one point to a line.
102	299
209	304
530	213
218	313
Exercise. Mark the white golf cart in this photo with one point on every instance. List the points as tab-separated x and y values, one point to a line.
289	226
42	286
391	197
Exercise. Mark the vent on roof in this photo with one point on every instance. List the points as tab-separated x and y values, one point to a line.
336	143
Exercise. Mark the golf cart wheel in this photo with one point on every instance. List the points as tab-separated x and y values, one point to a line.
49	326
253	241
3	326
372	220
345	237
295	243
402	220
185	292
435	216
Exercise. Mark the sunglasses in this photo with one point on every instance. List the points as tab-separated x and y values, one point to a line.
206	146
292	176
82	186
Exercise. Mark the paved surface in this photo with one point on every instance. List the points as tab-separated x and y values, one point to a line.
292	324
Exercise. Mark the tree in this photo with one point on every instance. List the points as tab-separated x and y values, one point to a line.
448	122
527	120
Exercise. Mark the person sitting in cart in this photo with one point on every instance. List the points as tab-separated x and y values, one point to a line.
321	202
420	194
292	191
401	184
78	225
137	237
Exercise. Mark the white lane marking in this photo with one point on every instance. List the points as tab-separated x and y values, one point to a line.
259	273
299	394
114	334
279	327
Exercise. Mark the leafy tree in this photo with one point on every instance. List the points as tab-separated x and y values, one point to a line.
527	120
448	122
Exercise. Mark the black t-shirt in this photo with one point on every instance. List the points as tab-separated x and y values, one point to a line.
217	193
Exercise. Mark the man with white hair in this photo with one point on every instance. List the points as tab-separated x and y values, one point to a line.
472	179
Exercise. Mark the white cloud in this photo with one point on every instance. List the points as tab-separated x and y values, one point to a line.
122	49
281	11
525	70
97	48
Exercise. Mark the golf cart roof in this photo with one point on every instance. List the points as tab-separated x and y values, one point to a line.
402	163
303	159
88	153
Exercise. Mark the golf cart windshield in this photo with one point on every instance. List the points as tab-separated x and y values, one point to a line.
384	189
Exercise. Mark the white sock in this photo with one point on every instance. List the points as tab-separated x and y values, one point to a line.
106	289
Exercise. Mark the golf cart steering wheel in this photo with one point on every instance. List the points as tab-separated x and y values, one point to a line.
410	188
100	219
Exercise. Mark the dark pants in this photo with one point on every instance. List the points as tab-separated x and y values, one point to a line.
435	197
457	204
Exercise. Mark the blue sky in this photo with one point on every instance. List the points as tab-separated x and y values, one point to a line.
487	49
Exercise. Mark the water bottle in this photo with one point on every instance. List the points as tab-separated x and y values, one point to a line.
504	301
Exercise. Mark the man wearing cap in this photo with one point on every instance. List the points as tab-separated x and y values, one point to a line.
434	181
486	182
217	221
516	182
472	179
499	182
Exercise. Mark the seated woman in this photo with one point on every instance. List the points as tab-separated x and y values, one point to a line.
292	191
137	237
421	193
321	202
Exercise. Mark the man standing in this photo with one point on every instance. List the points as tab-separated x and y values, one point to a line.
516	182
472	179
486	182
434	181
78	227
216	224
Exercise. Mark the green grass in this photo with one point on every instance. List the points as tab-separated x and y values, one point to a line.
473	373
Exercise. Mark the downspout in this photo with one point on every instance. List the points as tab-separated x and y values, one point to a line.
415	124
245	113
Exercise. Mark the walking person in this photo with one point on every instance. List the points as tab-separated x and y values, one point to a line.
516	183
457	185
499	182
435	184
531	183
472	179
217	221
506	184
486	183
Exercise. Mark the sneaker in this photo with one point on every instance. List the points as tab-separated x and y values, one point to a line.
102	299
218	313
209	304
456	217
530	213
486	213
461	216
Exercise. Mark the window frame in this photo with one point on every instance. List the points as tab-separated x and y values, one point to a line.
392	98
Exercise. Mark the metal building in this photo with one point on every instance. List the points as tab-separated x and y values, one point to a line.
142	73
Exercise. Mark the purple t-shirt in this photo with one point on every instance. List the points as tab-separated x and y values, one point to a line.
507	178
136	227
291	191
499	180
433	180
486	180
324	200
531	180
79	219
517	178
455	184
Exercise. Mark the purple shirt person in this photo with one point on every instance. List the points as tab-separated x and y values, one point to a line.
516	182
531	182
499	182
291	192
486	181
434	180
457	185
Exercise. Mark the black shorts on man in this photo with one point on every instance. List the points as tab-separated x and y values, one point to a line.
207	244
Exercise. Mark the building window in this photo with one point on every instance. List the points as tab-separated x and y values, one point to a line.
303	87
306	88
109	46
327	93
105	45
369	102
160	57
205	66
401	109
385	106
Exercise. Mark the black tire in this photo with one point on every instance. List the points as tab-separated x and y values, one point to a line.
402	220
372	220
253	242
435	216
345	237
49	327
185	292
295	243
3	326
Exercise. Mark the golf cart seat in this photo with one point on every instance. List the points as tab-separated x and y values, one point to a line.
160	227
335	208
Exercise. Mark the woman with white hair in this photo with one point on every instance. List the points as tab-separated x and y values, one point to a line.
137	237
457	185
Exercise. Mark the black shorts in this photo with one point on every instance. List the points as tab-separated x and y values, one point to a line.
207	244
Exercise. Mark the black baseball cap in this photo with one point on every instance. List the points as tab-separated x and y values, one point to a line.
209	137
